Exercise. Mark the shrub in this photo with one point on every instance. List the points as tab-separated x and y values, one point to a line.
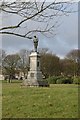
67	81
76	80
52	80
60	80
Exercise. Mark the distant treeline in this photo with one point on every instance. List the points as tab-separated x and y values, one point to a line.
51	64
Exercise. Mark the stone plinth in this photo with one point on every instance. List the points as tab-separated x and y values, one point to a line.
35	74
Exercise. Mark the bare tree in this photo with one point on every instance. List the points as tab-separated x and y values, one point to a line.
41	14
2	56
24	61
74	55
49	63
10	64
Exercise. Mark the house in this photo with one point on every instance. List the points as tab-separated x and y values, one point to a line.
1	77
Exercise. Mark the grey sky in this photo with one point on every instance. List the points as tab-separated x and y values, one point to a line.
65	40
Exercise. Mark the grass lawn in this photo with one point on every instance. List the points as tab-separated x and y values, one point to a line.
57	101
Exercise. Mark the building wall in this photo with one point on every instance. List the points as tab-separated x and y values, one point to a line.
1	77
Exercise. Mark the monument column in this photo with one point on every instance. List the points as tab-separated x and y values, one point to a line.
34	74
34	77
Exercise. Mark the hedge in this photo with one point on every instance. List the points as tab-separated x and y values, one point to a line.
60	80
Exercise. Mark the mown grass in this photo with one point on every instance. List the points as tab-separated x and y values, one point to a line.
57	101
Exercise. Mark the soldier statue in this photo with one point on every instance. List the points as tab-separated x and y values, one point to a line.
35	40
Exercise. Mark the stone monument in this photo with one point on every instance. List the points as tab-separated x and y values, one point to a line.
34	77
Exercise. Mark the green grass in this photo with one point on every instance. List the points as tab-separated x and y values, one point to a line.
57	101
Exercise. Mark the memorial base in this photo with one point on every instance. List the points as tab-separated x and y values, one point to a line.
35	79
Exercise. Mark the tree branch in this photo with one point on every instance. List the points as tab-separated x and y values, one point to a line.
28	18
32	11
19	35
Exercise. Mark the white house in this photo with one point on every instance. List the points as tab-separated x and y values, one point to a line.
1	77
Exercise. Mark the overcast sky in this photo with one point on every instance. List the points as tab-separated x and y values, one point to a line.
65	40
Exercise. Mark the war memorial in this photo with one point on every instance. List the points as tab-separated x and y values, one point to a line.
34	77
